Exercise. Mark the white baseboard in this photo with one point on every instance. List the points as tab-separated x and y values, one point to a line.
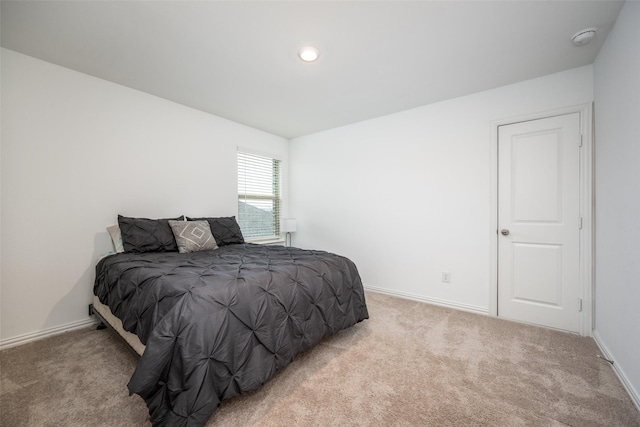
633	394
34	336
443	303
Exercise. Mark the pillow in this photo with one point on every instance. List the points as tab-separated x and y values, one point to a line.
116	238
225	230
147	235
193	236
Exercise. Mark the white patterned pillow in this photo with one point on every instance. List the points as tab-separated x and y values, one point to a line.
193	236
116	238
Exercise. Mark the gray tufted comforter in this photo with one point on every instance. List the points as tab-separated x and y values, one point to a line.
220	323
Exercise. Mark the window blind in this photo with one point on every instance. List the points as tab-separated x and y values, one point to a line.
258	196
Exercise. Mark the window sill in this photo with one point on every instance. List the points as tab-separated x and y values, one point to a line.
268	241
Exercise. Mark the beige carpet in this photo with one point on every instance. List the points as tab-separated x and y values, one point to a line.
411	364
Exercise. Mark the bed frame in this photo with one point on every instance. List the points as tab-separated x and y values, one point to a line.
108	320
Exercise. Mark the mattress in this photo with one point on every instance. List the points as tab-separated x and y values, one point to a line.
116	324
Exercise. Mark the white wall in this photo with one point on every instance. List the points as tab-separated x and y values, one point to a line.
617	123
407	196
77	151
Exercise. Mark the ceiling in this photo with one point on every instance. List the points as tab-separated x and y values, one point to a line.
237	59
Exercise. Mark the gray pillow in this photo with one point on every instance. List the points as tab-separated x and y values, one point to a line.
193	236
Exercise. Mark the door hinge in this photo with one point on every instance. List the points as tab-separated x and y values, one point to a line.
581	138
580	223
579	304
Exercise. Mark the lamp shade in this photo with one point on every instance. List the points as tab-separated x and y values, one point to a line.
288	225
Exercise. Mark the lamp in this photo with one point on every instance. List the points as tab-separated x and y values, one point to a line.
308	53
288	226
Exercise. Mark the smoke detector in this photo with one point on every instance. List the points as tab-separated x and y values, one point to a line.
583	37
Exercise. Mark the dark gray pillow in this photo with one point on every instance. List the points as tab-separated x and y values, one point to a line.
147	235
225	230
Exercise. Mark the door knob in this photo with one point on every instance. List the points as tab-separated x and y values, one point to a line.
504	232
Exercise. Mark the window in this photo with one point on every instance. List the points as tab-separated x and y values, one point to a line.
258	196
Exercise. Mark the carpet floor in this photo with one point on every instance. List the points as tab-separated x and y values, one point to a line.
410	364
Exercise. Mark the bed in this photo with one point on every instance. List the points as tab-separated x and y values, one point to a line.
212	324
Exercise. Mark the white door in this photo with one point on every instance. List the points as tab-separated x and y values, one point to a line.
539	222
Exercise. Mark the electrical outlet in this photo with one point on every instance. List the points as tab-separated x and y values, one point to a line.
446	277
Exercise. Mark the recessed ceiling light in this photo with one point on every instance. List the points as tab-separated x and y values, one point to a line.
308	53
583	37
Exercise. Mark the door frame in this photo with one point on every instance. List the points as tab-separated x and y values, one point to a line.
586	209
